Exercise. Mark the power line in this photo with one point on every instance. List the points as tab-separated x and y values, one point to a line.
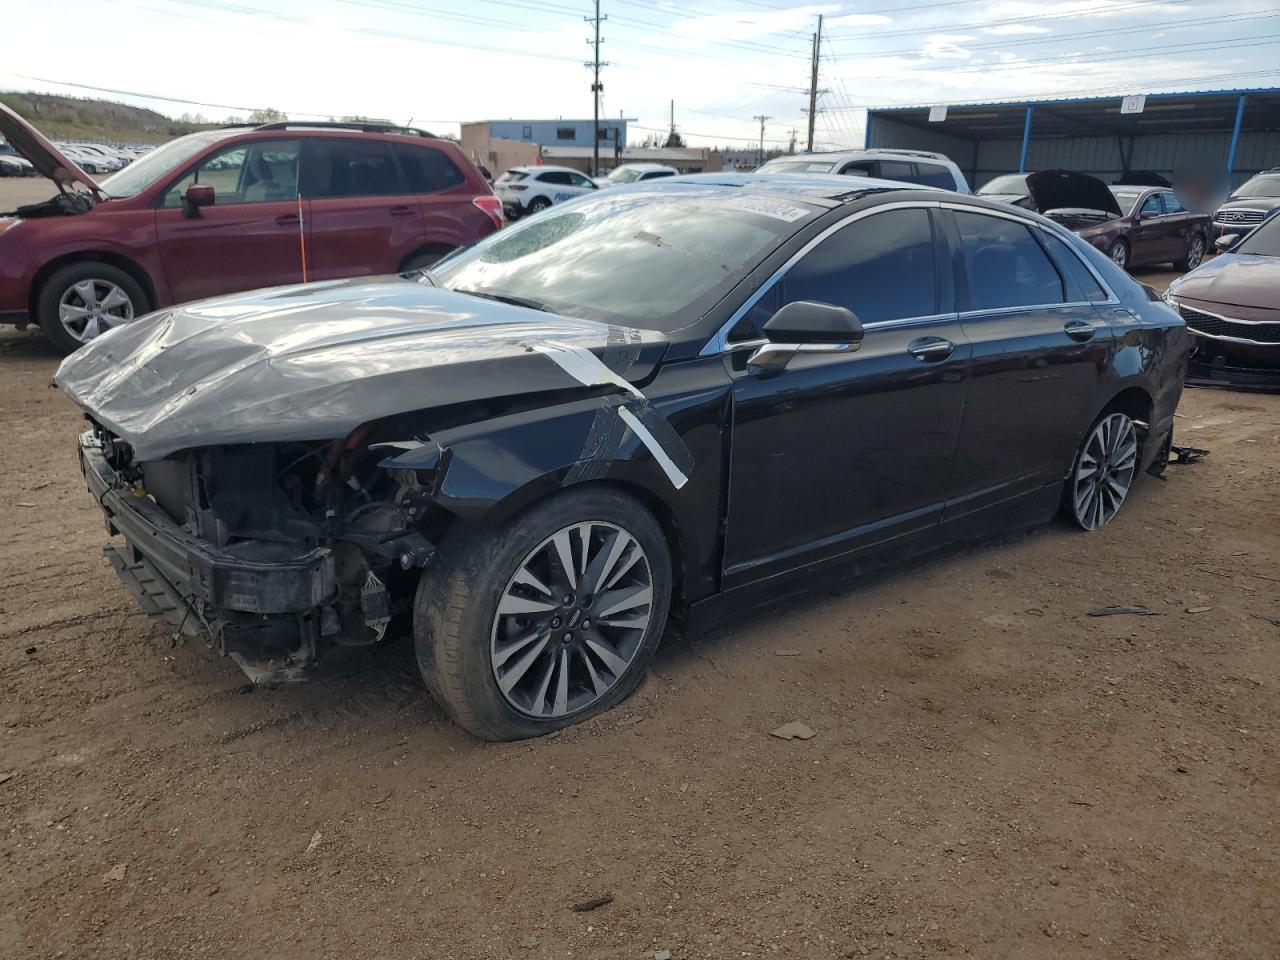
596	87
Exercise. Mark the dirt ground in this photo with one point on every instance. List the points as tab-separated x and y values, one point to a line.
995	773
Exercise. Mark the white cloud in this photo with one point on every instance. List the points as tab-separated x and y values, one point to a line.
858	20
751	24
946	46
1014	29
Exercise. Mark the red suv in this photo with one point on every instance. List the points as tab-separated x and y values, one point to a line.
231	209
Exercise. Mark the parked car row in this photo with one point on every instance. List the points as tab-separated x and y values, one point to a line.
531	189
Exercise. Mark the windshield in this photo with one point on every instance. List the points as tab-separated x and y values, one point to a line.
645	258
1259	187
1264	241
624	175
797	166
163	160
1126	201
1013	183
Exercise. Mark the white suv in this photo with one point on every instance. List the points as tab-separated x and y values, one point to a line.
907	166
530	189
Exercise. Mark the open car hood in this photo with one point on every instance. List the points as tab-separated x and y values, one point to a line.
315	361
42	154
1066	189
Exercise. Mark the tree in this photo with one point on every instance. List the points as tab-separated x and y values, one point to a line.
267	115
674	140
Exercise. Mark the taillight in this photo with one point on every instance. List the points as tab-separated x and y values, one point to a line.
491	206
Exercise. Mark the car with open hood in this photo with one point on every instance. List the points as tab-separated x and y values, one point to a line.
1134	225
644	403
1232	304
229	209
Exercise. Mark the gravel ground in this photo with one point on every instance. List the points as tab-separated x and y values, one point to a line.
994	772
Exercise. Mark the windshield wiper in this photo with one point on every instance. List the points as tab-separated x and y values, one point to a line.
513	300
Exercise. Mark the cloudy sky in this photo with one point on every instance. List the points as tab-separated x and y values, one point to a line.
439	62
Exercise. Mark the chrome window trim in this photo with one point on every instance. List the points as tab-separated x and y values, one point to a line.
719	342
1000	311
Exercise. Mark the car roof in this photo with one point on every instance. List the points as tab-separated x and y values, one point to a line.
644	166
818	186
543	168
857	153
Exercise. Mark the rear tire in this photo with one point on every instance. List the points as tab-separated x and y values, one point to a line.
424	259
1103	471
83	299
1195	254
494	654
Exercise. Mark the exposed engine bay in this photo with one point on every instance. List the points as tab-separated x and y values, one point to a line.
67	204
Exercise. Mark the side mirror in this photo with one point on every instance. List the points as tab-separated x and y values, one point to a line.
806	326
198	195
1227	242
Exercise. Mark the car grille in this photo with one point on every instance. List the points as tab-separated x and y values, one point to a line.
1212	326
1230	218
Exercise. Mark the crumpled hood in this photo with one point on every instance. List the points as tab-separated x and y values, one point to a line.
314	361
1066	189
1237	279
41	154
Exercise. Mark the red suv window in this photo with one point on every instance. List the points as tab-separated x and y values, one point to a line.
426	169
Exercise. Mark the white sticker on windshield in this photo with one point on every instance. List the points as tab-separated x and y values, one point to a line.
787	212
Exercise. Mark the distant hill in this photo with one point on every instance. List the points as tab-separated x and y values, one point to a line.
73	118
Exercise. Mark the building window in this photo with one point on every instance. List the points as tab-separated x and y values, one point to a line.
526	132
566	133
607	134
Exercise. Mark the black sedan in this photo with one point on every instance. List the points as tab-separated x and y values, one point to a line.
657	398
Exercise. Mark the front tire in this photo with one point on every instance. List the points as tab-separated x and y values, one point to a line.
1103	471
538	204
546	621
84	299
1119	254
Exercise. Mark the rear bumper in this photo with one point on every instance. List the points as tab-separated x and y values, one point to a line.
212	581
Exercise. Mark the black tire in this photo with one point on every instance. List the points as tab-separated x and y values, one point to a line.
63	279
423	259
1119	254
1107	507
1193	258
537	205
456	606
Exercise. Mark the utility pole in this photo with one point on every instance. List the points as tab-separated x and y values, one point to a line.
794	134
762	118
813	81
596	88
672	135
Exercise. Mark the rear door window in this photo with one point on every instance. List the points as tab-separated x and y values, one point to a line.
897	170
1172	204
935	175
427	170
350	168
1080	282
1006	266
558	177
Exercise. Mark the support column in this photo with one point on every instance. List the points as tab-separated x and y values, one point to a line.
1235	139
1026	139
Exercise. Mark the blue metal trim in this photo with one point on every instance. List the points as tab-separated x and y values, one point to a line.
1026	139
1235	134
866	136
1150	96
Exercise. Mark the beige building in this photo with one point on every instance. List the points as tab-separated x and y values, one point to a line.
494	153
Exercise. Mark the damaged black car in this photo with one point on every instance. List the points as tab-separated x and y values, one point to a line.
636	407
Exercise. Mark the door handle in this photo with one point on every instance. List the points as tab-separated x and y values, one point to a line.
402	210
930	349
287	219
1079	330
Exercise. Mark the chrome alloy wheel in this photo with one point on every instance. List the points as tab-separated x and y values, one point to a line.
1104	471
91	306
1120	254
571	620
1196	252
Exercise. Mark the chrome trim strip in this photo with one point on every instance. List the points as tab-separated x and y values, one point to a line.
1000	311
1219	316
1240	340
719	342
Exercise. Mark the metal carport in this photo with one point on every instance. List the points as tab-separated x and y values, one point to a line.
1234	131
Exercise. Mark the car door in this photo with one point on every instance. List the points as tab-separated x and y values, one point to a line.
847	452
580	183
1041	349
249	237
364	220
1148	238
1182	225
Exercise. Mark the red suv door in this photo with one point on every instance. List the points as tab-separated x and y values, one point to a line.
249	237
364	219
